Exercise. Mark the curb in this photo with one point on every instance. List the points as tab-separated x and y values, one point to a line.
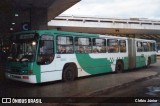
113	88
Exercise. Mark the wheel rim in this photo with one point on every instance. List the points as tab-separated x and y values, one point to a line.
69	75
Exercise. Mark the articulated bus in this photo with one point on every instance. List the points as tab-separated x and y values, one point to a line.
49	55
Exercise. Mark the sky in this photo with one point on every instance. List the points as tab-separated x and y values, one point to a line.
116	9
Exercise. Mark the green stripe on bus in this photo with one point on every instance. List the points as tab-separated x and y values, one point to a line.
94	66
126	64
140	61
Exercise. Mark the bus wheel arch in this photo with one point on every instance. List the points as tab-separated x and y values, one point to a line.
148	61
70	72
119	68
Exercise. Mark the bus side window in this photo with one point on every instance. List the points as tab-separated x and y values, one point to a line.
64	44
149	46
113	46
139	47
81	49
82	45
88	49
146	46
61	49
99	45
153	47
122	46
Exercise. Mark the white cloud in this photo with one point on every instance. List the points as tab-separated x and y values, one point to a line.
116	8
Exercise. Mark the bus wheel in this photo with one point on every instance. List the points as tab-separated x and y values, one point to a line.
148	62
69	74
119	67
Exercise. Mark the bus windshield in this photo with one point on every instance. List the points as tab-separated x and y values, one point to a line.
23	48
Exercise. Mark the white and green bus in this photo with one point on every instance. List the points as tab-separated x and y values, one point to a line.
49	55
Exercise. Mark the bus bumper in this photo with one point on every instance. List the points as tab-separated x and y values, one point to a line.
22	78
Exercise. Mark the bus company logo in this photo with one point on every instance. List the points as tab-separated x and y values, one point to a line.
6	100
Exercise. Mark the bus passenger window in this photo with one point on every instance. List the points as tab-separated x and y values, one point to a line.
113	46
64	45
42	47
99	45
153	46
122	46
61	49
82	45
146	46
81	49
88	49
69	49
95	50
139	47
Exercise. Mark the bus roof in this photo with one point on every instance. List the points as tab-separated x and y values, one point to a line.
144	40
54	31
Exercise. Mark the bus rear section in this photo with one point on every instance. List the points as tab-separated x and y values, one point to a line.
141	52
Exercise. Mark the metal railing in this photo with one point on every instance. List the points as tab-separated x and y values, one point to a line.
140	21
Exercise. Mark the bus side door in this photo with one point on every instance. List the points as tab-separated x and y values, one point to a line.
139	55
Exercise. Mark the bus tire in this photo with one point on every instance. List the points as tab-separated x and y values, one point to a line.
119	67
69	73
148	62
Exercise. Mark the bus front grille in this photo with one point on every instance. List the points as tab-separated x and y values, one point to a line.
15	71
